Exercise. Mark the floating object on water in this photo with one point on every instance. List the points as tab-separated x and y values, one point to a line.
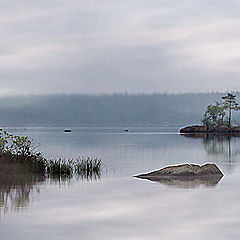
125	130
67	130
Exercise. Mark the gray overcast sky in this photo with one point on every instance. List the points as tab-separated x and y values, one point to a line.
106	46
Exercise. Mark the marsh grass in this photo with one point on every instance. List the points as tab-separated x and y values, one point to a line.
87	168
88	165
60	167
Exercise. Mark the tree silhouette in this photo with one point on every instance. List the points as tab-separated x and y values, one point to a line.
230	103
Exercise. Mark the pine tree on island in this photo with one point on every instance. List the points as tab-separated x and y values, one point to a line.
217	118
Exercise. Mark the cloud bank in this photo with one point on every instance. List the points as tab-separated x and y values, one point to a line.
102	46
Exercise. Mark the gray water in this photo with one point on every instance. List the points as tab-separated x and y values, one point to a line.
116	205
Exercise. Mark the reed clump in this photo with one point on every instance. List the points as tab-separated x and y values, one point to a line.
88	168
60	167
88	165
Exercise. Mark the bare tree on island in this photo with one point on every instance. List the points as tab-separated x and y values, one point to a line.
230	103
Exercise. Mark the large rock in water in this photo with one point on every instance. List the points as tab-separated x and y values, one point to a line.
185	170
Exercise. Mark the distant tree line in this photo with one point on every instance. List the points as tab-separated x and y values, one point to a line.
107	110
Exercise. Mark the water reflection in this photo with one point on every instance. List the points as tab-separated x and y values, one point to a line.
15	190
217	144
221	148
89	176
83	176
186	182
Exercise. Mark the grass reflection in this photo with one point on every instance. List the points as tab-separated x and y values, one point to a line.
17	184
15	190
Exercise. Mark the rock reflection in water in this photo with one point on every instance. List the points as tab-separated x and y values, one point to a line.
186	182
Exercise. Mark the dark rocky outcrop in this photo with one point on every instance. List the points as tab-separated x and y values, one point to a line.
195	129
185	170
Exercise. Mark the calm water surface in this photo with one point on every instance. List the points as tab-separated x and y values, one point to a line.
118	206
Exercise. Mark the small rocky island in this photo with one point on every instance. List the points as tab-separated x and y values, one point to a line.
217	118
195	129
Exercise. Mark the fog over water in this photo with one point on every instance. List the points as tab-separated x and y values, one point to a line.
107	110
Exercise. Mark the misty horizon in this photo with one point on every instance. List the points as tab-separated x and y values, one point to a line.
117	93
107	109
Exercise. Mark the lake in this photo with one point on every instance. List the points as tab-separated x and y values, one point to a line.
116	205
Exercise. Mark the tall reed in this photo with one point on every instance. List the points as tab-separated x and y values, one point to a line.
85	167
88	168
60	167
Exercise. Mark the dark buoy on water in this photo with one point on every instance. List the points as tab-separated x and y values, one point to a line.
67	130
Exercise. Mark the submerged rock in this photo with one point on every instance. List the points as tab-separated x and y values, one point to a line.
185	170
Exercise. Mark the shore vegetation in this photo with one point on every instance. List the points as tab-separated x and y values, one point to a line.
18	155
